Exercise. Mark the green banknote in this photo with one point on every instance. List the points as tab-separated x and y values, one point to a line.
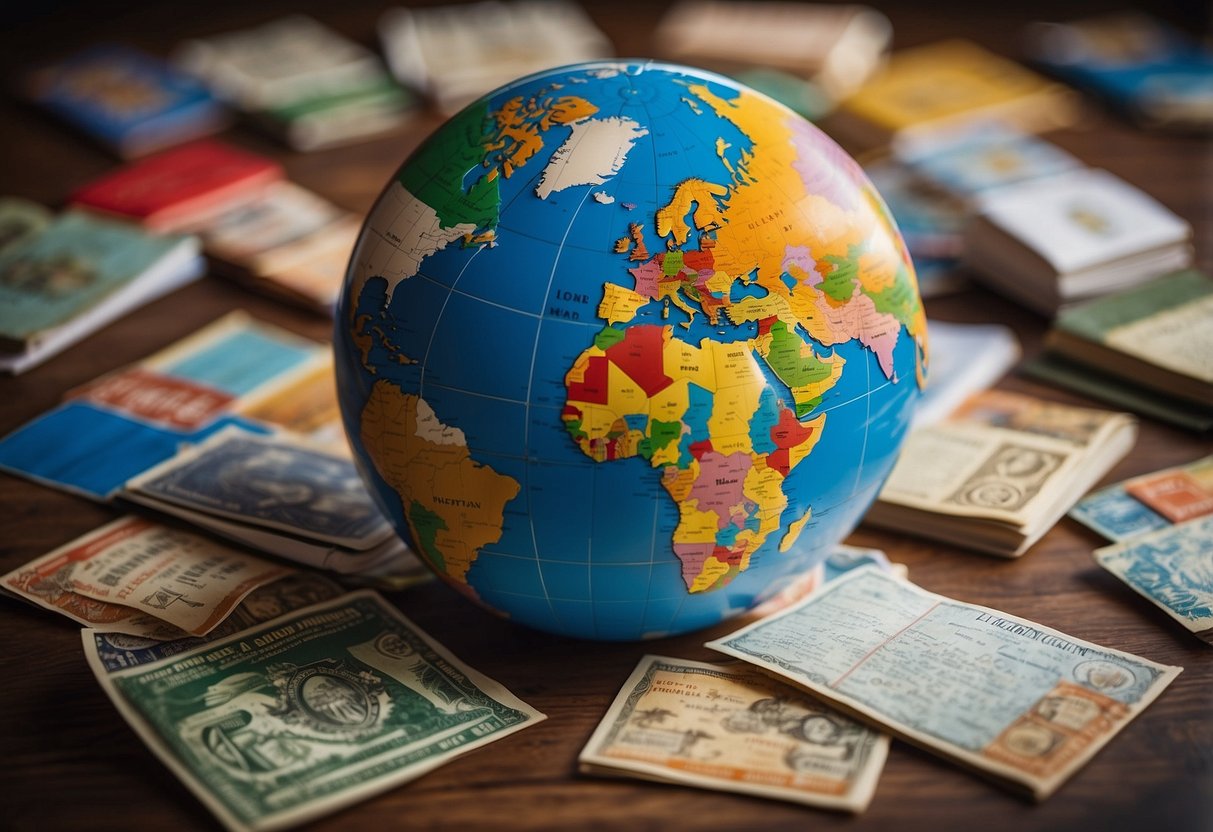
307	713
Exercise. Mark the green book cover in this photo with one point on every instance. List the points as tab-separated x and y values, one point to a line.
71	266
1096	319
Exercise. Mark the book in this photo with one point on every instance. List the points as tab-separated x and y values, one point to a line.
305	82
1157	336
1000	472
286	241
943	84
180	187
1111	389
129	101
977	157
834	48
124	422
1051	242
76	275
1152	72
965	358
454	54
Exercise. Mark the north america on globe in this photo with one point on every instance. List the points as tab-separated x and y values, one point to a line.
626	347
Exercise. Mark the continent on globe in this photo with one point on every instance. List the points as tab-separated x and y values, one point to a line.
625	362
453	504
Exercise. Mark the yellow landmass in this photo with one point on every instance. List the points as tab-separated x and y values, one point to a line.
695	526
671	219
793	532
519	125
712	571
442	478
619	304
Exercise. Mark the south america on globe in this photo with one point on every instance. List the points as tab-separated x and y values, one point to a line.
625	348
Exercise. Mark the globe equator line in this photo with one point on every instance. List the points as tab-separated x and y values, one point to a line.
530	384
604	565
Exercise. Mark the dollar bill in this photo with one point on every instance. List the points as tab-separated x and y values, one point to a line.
731	728
1173	568
118	649
1007	697
143	579
299	716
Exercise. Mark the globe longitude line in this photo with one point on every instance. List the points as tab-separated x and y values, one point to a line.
425	361
867	425
530	384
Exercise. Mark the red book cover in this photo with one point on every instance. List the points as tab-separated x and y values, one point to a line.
173	189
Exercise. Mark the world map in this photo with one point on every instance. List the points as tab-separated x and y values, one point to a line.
625	348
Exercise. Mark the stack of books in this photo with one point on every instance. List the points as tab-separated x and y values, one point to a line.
456	53
1000	472
778	46
259	229
974	159
64	277
965	359
944	84
1153	73
306	83
1148	349
179	188
127	100
1051	242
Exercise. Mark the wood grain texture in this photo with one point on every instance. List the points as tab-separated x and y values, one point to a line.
67	761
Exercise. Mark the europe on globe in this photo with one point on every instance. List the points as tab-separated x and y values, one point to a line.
625	348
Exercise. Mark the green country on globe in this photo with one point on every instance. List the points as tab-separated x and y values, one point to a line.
625	348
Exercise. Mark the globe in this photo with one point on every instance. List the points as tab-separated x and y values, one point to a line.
626	348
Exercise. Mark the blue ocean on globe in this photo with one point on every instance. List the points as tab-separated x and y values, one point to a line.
626	348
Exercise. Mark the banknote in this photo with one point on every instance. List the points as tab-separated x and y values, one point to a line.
273	482
732	728
309	712
117	648
132	569
1012	699
1173	568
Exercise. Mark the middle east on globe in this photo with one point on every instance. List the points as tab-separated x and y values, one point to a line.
625	348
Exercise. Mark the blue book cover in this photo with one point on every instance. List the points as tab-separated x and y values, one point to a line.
130	101
74	265
92	451
1156	74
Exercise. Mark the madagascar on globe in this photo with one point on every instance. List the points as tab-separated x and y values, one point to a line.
625	349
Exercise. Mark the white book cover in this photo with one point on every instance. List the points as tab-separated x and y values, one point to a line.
1083	219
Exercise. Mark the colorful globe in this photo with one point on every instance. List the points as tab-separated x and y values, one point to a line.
624	349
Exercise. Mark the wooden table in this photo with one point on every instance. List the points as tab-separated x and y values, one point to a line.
67	761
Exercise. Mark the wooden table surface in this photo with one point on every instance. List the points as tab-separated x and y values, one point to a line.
67	761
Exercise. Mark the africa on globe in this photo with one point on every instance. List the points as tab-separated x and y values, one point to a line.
625	348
